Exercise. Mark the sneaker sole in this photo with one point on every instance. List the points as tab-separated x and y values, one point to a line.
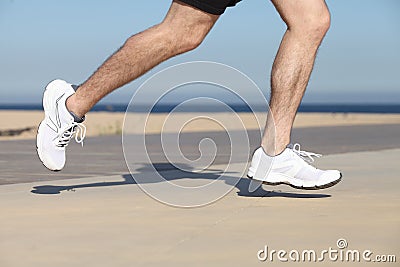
317	187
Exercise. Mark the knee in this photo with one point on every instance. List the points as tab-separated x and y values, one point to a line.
190	40
320	24
186	37
313	26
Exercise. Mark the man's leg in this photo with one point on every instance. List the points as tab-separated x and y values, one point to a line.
307	22
182	30
273	164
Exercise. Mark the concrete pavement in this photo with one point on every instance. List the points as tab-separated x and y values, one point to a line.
107	220
103	155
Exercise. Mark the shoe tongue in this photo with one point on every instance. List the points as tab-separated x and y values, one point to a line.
77	118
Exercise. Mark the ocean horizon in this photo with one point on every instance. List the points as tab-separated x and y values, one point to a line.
166	108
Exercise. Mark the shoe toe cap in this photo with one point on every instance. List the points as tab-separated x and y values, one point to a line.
54	163
330	176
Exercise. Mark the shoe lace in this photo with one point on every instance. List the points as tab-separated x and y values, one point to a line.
77	129
308	156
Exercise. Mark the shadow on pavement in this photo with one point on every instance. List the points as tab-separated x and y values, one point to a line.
170	172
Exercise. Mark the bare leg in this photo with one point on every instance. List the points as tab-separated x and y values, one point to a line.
307	23
183	29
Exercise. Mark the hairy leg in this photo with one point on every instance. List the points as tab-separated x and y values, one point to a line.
182	30
307	23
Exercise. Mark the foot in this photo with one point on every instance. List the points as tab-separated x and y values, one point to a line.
291	168
58	127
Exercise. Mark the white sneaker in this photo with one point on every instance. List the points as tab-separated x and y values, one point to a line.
58	127
290	168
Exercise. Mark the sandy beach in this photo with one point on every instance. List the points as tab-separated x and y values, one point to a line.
23	124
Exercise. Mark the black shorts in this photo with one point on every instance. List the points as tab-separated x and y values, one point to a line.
216	7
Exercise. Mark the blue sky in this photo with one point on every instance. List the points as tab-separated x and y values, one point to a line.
41	40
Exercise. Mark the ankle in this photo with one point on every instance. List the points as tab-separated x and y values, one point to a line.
73	107
273	151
